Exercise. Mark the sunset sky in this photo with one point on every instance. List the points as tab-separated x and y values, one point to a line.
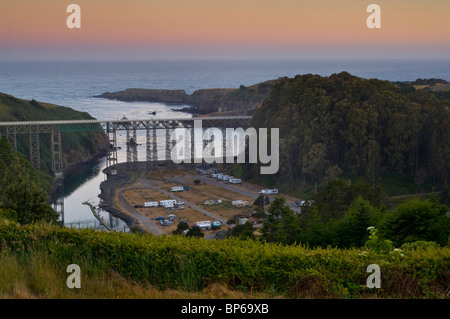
154	29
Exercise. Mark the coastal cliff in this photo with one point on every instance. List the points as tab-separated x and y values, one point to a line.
78	148
223	101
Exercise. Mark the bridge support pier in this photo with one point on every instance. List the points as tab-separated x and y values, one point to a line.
154	145
132	152
128	146
11	132
35	156
224	145
151	149
57	155
134	148
192	144
168	143
112	137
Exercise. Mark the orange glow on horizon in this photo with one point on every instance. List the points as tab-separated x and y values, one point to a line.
226	23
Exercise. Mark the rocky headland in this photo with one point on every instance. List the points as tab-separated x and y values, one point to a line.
223	101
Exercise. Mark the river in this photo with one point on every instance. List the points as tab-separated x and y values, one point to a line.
83	183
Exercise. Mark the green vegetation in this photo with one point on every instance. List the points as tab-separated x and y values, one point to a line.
350	143
195	231
77	146
22	196
343	125
34	259
262	200
299	255
321	225
243	232
254	92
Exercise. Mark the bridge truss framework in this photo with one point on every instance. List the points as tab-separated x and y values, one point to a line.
55	128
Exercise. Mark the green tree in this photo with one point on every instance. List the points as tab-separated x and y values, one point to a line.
195	231
281	224
315	163
317	232
335	200
362	126
417	220
351	230
6	156
23	193
444	197
182	226
259	212
244	231
21	189
262	200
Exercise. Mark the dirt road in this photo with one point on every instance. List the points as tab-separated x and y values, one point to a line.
146	223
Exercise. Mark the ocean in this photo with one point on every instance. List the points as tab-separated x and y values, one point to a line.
74	83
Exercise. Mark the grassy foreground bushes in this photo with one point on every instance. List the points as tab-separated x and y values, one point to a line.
40	254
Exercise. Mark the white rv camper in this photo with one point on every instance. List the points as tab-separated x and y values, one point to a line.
168	203
235	181
269	191
177	189
151	204
204	225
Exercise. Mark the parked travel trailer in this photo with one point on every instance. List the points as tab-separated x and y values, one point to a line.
269	191
168	203
177	189
151	204
212	202
206	169
235	181
204	225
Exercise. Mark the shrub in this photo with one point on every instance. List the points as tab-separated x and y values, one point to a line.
419	245
10	214
191	264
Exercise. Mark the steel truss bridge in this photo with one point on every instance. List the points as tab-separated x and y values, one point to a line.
55	128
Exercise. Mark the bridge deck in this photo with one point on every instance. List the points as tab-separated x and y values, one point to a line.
124	121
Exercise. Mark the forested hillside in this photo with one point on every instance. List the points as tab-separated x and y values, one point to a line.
77	146
345	125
